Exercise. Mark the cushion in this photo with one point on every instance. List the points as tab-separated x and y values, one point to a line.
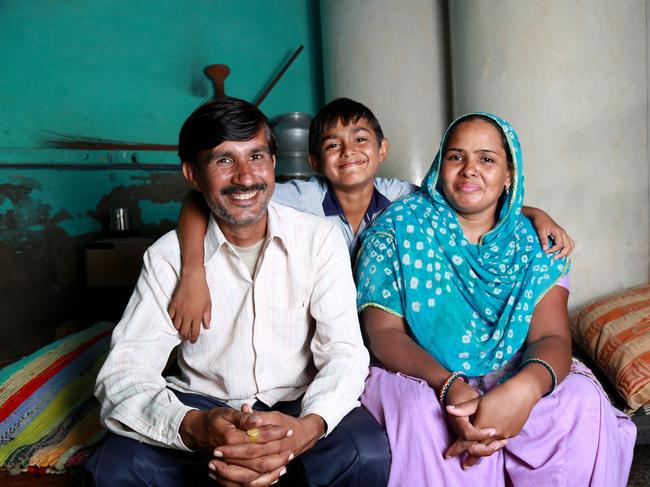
48	415
613	331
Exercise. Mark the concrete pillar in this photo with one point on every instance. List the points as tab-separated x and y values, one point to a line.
392	56
572	78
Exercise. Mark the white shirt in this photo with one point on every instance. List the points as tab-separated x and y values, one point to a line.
292	330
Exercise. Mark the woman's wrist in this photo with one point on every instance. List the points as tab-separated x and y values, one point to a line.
460	392
450	381
549	370
532	382
436	377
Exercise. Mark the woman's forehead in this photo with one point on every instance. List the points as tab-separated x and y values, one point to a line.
475	130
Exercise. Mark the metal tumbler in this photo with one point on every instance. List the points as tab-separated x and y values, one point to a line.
119	220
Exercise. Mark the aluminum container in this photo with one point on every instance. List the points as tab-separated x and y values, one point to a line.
292	132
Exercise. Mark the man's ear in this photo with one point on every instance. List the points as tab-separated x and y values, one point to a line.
191	173
314	162
274	161
383	150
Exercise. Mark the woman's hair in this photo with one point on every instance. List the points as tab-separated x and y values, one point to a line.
220	120
474	116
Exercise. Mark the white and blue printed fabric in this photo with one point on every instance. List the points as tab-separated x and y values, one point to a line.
468	305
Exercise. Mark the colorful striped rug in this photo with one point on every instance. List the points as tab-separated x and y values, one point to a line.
48	415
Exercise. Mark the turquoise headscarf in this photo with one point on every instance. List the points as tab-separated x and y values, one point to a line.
468	305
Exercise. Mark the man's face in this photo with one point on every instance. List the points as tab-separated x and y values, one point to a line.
237	180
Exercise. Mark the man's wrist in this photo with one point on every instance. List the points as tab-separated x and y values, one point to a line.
188	427
316	426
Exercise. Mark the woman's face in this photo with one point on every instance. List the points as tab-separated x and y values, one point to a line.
475	169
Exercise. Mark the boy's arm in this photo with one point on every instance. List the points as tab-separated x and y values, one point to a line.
545	226
190	305
302	195
393	188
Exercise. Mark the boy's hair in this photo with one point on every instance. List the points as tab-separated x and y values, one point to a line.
220	120
344	110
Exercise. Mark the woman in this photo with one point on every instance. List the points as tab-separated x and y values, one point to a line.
458	297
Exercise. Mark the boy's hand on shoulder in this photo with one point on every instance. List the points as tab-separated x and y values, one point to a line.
549	232
191	305
552	233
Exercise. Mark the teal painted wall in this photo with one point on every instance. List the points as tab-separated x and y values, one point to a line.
129	71
134	73
133	70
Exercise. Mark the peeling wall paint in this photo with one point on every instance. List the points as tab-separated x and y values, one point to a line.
47	219
78	203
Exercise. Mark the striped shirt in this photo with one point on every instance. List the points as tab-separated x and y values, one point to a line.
292	330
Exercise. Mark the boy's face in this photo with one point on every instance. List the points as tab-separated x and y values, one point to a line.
350	155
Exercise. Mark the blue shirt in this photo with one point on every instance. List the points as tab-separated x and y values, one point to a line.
316	196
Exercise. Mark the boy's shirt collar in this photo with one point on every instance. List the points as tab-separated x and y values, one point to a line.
332	207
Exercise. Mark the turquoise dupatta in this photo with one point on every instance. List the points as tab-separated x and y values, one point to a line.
469	306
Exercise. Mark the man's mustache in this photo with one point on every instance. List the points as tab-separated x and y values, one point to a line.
236	188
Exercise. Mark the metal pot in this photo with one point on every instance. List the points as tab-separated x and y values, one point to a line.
292	132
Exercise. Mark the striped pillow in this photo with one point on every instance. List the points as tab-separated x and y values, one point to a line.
48	415
614	332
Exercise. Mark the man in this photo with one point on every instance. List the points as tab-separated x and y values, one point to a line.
285	341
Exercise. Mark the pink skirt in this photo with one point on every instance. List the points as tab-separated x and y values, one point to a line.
573	437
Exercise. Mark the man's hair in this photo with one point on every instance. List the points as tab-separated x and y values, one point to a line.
220	120
346	111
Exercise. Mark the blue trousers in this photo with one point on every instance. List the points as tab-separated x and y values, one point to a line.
355	454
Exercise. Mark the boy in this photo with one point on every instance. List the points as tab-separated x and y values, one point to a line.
346	148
